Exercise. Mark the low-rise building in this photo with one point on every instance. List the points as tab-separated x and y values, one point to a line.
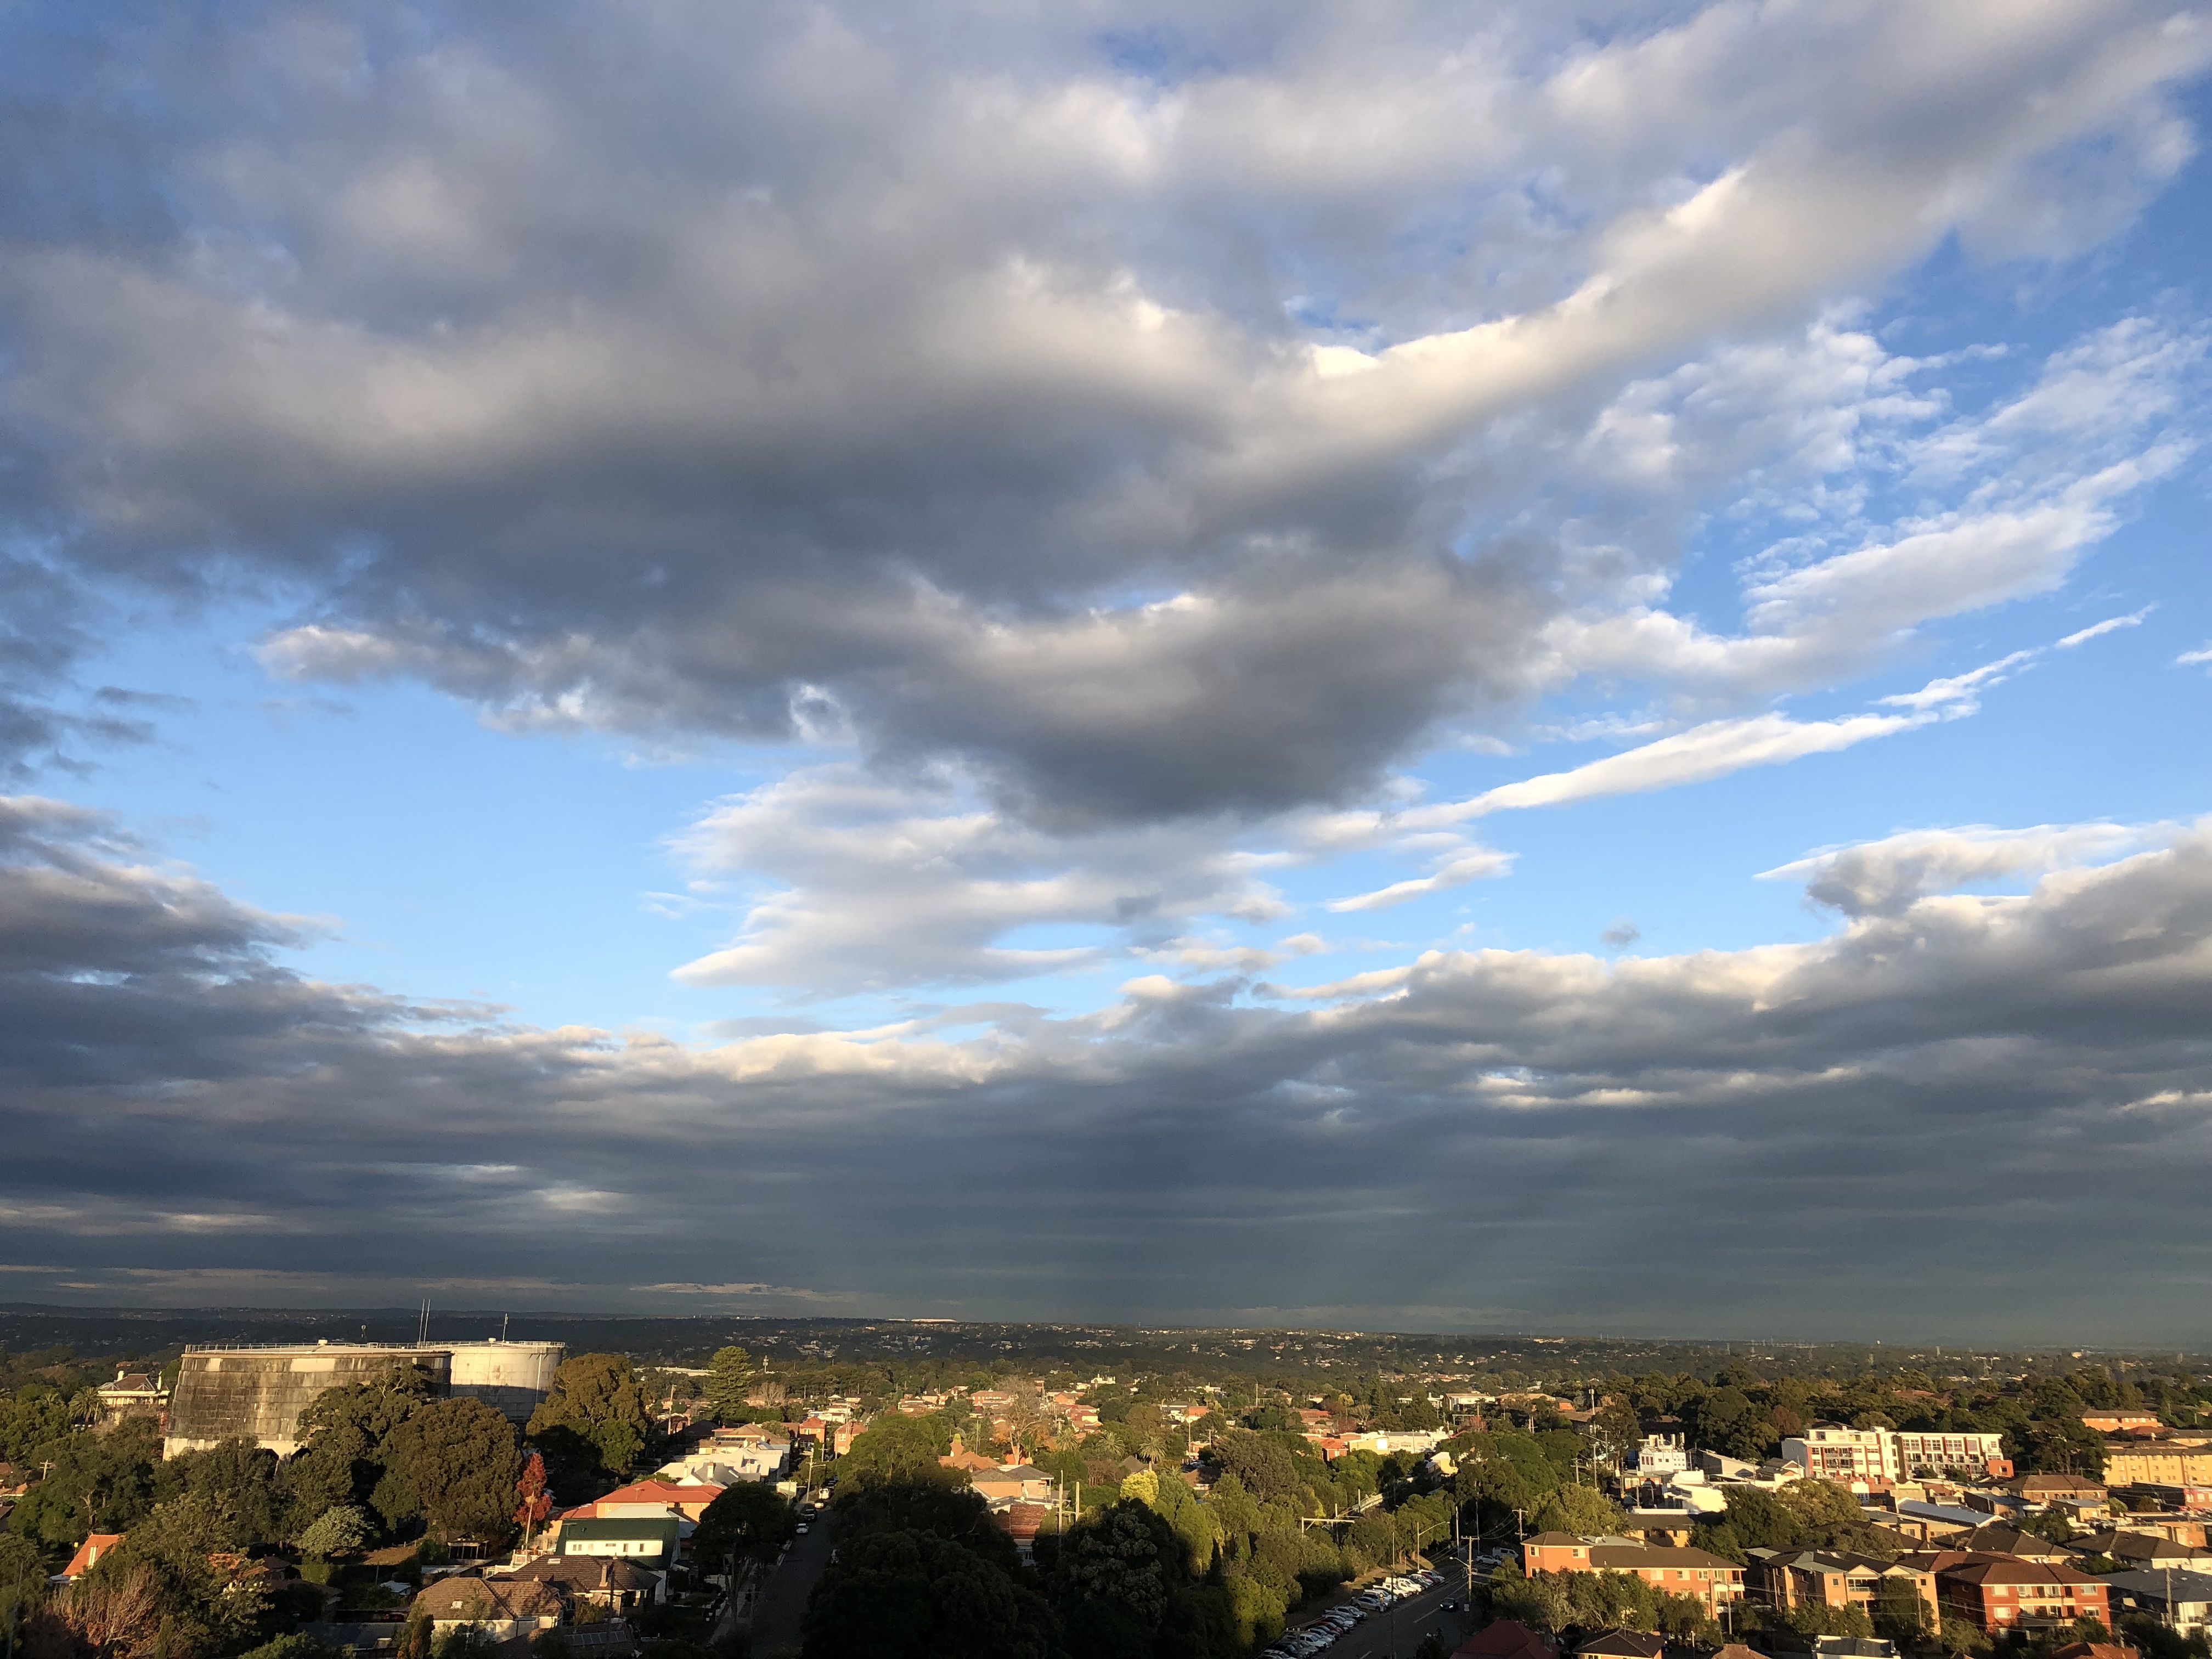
1834	1578
2158	1463
501	1609
132	1394
615	1582
87	1556
2116	1422
2182	1601
2146	1549
1506	1638
650	1541
1999	1593
1709	1579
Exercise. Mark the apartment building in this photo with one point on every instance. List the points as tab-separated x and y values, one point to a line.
1829	1451
1708	1577
1996	1594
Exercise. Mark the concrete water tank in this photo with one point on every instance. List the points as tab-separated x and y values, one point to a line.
511	1377
258	1394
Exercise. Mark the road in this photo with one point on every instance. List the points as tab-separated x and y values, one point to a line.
783	1604
1411	1620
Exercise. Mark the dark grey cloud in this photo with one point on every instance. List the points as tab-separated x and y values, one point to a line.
757	371
1782	1138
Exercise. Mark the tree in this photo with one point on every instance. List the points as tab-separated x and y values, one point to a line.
99	1483
1618	1428
1900	1614
238	1476
907	1595
339	1530
1116	1573
897	1448
346	1431
455	1463
747	1520
1577	1510
729	1380
535	1503
595	1401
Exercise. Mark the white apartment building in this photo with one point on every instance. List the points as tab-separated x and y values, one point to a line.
1828	1451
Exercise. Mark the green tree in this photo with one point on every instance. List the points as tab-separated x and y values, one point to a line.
729	1380
898	1448
747	1520
906	1594
595	1401
238	1476
1900	1614
99	1483
346	1431
339	1530
455	1463
1576	1509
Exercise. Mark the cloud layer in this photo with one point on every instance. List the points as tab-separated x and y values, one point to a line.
1948	1078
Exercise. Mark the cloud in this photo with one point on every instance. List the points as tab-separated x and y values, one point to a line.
1459	868
988	403
2187	659
886	885
1698	756
1791	1097
1887	878
1622	934
2111	624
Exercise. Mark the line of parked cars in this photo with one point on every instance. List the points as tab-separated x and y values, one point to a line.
1324	1630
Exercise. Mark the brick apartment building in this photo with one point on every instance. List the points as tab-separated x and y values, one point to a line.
1714	1581
1832	1578
1996	1594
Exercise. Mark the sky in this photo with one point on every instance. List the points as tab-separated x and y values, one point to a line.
1418	666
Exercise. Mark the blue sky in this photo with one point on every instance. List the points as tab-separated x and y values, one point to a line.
990	593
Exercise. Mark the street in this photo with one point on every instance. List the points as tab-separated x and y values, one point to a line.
783	1604
1410	1620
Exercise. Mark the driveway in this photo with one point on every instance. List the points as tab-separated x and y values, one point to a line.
783	1604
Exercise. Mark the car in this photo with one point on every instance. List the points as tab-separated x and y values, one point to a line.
802	1527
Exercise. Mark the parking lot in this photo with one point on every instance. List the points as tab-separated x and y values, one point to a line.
1385	1621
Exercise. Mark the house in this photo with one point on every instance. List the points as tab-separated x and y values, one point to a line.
1707	1577
1013	1482
2041	1491
1834	1578
1936	1524
2094	1651
2182	1601
650	1541
961	1458
651	1498
133	1393
88	1555
2002	1538
1670	1527
1021	1522
1505	1638
615	1582
2146	1549
2116	1422
1623	1644
1999	1593
501	1608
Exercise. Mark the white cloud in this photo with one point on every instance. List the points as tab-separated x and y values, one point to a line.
1461	867
2111	624
1704	753
884	885
2187	659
